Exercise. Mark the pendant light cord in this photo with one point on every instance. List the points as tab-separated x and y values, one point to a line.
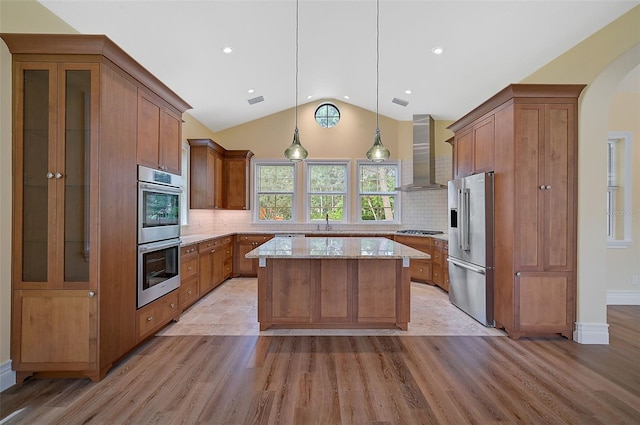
297	19
377	61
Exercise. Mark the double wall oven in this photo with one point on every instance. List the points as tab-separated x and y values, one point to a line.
158	234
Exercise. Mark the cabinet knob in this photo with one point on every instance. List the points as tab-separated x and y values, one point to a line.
189	268
542	187
548	187
92	294
58	175
518	274
149	319
421	269
172	305
189	292
49	175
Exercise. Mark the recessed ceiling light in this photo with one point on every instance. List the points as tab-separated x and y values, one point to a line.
227	50
250	91
437	50
407	91
346	97
309	96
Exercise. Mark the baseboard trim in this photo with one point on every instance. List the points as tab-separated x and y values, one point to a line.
623	297
591	333
7	376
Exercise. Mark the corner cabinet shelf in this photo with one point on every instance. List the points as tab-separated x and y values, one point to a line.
75	135
528	135
220	178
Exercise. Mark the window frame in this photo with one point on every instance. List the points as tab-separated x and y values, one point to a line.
294	191
346	215
325	117
624	181
397	212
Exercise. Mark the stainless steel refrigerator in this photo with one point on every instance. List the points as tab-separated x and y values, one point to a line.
470	259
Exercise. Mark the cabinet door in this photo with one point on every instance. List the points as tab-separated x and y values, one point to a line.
218	182
170	145
148	143
483	145
206	267
528	212
57	116
53	327
463	154
237	184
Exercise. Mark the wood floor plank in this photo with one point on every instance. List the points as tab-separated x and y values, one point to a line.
351	380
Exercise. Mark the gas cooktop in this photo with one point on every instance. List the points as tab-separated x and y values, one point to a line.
420	232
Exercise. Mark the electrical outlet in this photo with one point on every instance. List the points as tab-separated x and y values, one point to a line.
634	279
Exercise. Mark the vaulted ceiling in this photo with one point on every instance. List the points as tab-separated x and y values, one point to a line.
487	45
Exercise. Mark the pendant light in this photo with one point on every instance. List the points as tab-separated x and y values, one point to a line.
378	152
296	152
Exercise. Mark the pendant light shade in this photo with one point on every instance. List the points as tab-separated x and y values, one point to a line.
378	152
296	152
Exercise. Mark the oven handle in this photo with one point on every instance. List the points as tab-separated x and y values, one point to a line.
154	246
161	188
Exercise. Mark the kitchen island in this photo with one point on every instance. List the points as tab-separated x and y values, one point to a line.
334	282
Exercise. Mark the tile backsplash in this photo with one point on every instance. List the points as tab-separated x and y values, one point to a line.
420	210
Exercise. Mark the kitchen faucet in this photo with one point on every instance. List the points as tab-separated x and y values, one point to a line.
327	226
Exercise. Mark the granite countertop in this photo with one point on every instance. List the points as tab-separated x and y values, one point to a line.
201	237
334	247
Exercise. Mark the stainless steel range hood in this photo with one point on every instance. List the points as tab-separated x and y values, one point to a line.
424	156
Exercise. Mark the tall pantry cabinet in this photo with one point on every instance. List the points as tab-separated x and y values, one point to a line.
75	103
534	150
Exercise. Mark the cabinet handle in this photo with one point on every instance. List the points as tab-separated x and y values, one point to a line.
149	319
49	175
172	305
92	294
189	268
189	292
518	274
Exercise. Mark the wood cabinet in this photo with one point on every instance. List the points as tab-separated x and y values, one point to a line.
535	190
438	262
188	292
159	133
474	148
220	178
215	263
74	253
421	270
247	267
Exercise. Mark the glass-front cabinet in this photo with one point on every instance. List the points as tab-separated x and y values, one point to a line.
55	121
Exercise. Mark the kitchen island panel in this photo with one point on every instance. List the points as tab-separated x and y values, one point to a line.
289	299
334	298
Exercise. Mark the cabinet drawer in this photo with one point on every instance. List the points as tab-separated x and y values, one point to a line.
155	315
228	267
420	270
253	238
188	293
189	251
188	267
417	242
436	257
208	245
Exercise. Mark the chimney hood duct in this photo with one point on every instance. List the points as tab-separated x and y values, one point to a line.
424	156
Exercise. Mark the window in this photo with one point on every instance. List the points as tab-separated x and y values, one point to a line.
274	186
376	192
619	191
327	191
327	115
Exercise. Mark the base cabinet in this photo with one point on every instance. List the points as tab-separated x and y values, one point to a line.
189	272
153	316
247	267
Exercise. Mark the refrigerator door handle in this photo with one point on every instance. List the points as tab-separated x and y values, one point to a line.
466	266
465	220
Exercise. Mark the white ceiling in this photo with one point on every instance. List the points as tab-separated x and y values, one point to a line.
488	44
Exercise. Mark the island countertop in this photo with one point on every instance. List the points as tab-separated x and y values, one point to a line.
334	247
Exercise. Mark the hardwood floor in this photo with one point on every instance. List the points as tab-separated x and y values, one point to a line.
352	380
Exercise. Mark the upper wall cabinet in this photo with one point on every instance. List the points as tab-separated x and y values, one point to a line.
474	147
220	178
159	133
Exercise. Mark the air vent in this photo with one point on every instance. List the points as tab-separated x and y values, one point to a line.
256	100
399	102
